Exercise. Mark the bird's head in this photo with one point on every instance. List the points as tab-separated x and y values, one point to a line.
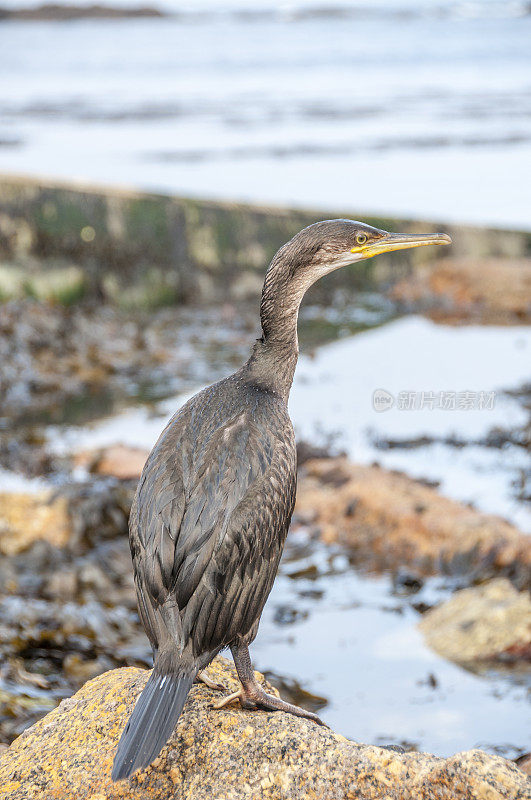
326	246
314	252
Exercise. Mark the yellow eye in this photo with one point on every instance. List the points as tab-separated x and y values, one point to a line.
361	238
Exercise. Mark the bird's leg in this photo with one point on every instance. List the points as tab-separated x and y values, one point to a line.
202	677
251	695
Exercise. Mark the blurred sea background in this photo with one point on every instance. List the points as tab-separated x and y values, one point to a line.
418	109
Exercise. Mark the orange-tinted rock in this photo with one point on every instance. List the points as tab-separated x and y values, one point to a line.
390	520
490	290
28	518
117	460
231	755
524	763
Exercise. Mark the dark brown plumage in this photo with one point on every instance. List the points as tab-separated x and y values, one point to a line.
215	499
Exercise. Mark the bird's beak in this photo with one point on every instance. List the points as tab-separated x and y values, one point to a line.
400	241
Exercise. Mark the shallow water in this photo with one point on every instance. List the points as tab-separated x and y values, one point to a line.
331	402
400	107
353	641
333	393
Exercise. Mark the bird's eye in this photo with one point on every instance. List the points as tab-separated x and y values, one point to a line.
361	238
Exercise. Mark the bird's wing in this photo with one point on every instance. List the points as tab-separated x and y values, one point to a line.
208	529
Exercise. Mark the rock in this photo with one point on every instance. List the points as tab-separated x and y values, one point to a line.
482	623
66	627
524	763
117	460
55	11
79	670
486	290
98	509
27	518
231	754
65	618
391	521
77	515
61	585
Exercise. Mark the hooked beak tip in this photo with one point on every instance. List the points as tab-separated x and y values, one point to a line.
405	241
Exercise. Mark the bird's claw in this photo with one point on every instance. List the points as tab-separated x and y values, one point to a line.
225	701
202	677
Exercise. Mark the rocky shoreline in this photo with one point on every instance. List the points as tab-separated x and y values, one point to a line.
68	606
58	359
67	602
232	755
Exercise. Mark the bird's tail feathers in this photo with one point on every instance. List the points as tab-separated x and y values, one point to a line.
152	722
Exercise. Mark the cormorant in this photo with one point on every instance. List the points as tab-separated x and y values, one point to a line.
216	495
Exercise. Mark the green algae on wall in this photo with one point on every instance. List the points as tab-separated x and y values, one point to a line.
141	249
61	284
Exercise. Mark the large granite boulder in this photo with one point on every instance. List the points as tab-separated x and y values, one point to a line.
231	755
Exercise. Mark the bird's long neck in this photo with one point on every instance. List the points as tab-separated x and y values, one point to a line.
274	358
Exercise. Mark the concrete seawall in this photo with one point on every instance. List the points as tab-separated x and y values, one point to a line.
146	249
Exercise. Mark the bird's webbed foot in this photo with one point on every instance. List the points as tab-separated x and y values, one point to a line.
202	677
253	696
